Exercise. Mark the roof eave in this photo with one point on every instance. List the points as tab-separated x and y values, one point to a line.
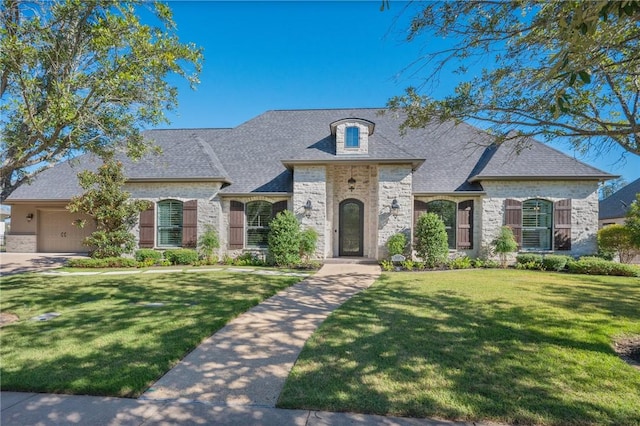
602	178
448	193
221	179
415	162
255	194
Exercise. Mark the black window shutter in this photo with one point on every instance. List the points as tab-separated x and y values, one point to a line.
236	225
147	227
562	224
190	224
465	225
513	218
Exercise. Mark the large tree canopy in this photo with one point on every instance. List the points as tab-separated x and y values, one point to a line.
550	68
79	76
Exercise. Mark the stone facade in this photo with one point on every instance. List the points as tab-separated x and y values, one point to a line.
584	208
363	145
394	183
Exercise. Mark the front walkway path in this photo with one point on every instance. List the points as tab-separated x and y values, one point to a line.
247	362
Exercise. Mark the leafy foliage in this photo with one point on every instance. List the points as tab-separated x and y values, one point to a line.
284	239
504	244
181	256
397	244
597	266
557	69
115	214
107	262
617	238
145	255
632	222
555	262
431	244
208	243
83	76
308	241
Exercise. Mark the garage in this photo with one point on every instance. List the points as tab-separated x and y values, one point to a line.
57	232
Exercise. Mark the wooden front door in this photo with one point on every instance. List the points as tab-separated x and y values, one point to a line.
351	230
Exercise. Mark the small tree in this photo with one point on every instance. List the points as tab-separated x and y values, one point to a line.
431	235
617	238
308	241
284	239
396	244
633	222
208	243
504	244
115	214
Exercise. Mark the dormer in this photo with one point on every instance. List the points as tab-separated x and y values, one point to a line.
352	135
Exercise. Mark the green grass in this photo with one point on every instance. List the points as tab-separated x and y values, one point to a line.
107	342
521	347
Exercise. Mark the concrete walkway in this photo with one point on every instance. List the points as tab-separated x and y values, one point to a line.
15	263
233	378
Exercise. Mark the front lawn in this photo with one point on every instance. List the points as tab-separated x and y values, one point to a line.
521	347
116	334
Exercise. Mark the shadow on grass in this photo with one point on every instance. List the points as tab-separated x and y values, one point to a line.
393	350
109	340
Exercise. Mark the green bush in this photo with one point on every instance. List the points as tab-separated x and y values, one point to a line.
504	244
463	262
145	255
596	266
386	265
619	240
555	262
106	262
284	239
529	261
432	240
181	256
409	265
396	244
308	241
248	259
208	243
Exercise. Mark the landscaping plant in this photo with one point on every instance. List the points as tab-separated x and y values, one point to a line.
504	244
308	241
284	239
431	240
397	244
208	243
618	239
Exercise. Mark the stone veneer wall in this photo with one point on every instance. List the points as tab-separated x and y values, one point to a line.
394	182
584	208
365	190
209	209
477	219
363	147
17	243
310	183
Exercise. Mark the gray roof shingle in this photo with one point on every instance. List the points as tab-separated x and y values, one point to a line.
252	156
617	204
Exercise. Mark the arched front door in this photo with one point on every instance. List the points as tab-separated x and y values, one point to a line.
351	228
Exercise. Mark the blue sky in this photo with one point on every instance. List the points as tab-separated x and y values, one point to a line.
267	55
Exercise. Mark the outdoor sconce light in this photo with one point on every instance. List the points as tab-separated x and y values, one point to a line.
29	217
395	207
352	183
308	208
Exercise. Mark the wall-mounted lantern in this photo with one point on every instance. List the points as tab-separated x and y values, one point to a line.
308	208
395	207
29	217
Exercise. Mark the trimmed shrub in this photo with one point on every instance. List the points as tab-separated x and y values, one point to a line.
284	239
106	262
181	256
308	241
387	265
146	255
555	262
617	239
248	259
504	244
432	240
396	244
408	265
208	243
596	266
529	261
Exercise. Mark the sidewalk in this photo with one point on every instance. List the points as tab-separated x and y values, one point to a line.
234	377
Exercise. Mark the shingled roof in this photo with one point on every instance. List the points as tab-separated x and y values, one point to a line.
258	155
617	204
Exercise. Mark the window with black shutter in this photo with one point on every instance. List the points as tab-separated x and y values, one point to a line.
147	227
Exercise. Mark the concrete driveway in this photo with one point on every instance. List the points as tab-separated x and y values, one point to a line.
14	263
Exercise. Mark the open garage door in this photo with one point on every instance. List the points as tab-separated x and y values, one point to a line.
58	234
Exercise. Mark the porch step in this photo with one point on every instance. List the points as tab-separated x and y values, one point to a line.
350	260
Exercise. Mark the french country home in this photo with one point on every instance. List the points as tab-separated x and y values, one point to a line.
350	174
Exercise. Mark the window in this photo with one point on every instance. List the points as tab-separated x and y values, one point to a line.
170	223
352	137
259	215
447	212
537	216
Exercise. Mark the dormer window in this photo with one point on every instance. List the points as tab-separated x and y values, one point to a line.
352	139
352	135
